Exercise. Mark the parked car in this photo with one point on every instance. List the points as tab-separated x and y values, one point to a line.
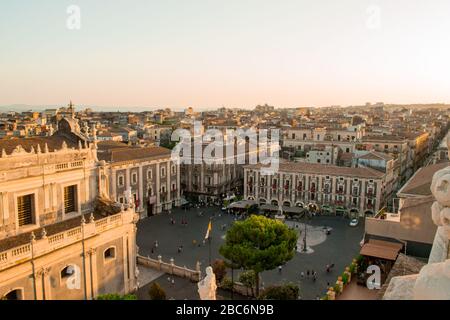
353	222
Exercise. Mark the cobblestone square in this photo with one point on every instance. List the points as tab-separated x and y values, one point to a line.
338	248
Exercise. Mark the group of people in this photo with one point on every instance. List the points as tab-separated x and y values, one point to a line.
155	246
183	221
309	273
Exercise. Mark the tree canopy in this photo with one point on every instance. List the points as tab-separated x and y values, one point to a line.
259	243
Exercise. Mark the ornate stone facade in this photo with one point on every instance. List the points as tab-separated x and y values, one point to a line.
56	240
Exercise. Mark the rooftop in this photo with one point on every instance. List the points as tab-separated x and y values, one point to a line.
420	182
316	168
119	152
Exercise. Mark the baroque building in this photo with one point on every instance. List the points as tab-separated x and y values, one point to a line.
148	172
320	188
60	235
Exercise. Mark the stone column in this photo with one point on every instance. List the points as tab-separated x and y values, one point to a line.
141	189
113	184
177	168
92	276
4	213
169	184
158	189
127	178
245	184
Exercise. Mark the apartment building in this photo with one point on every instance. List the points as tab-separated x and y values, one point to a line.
147	172
318	187
397	146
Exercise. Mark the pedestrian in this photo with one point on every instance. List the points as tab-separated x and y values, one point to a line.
156	244
328	268
280	268
302	275
194	242
153	250
307	273
179	249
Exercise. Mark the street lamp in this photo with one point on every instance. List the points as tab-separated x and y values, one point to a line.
305	249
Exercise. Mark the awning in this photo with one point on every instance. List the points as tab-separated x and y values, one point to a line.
381	249
270	207
241	204
183	202
293	209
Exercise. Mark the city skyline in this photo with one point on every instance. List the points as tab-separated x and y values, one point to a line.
238	55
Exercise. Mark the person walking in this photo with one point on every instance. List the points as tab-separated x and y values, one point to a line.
307	273
155	244
302	275
280	268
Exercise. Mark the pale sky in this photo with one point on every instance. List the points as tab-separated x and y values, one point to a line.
233	53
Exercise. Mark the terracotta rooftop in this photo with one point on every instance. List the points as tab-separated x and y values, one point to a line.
324	169
381	249
54	142
384	138
120	152
375	155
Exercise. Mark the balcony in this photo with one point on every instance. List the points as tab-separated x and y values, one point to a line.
51	239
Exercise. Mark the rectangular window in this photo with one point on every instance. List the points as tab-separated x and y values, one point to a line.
70	199
134	178
149	174
25	209
120	181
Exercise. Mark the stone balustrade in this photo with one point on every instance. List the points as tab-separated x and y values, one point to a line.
51	243
169	268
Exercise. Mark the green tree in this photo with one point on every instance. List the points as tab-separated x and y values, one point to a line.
219	269
283	292
156	292
259	243
247	278
115	296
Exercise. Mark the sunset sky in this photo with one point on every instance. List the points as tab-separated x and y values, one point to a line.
233	53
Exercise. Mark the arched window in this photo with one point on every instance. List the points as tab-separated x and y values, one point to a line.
16	294
67	271
109	254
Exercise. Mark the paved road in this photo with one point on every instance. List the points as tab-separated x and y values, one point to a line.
338	248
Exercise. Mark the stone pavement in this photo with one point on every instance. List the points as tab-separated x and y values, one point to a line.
340	247
147	275
181	289
356	292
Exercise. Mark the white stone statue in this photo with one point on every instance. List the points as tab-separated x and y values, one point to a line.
433	280
207	287
129	199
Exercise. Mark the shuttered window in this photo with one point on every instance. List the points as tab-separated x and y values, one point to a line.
70	199
25	209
